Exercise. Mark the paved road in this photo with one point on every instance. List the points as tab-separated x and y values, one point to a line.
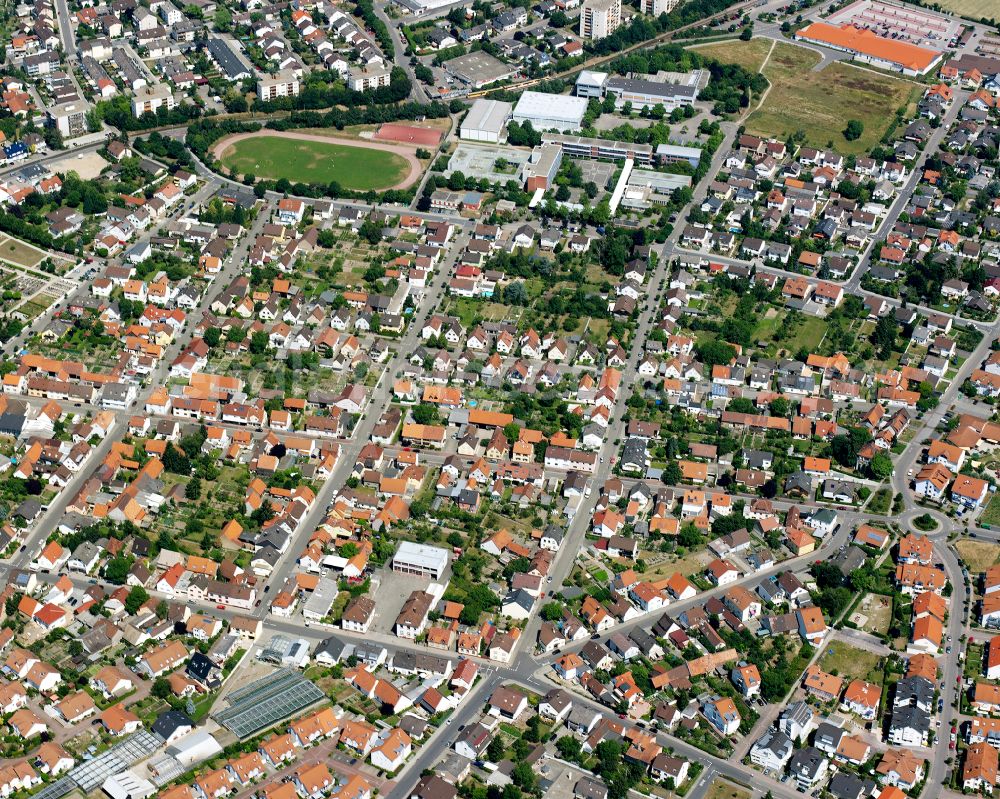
399	57
769	268
378	401
66	29
903	197
50	519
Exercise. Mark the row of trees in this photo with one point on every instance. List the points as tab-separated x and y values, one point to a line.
642	29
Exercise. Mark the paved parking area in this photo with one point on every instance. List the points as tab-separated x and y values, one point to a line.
394	588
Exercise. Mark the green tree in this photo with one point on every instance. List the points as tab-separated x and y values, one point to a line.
715	353
779	406
193	489
161	688
494	751
212	336
425	413
117	570
515	293
135	599
881	466
854	129
175	461
371	231
569	748
884	335
690	536
258	342
223	19
523	776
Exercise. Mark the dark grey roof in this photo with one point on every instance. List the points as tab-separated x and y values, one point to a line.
201	668
331	646
226	58
912	717
846	786
776	742
169	722
806	762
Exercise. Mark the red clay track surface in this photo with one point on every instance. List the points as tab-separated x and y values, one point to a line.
411	134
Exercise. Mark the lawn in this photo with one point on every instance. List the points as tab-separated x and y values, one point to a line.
468	310
991	516
973	661
811	333
974	9
721	789
880	501
662	566
977	555
749	55
19	253
849	661
274	157
819	104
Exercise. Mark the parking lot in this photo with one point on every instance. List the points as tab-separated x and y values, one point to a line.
394	589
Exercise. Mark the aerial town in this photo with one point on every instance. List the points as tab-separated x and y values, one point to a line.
487	399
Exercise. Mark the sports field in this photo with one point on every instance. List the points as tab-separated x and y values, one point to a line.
307	158
819	104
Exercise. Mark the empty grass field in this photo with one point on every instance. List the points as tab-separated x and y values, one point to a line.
818	104
723	789
749	55
849	661
18	253
306	161
977	556
974	9
991	515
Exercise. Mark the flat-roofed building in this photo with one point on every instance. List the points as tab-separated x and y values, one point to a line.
675	153
486	121
542	168
478	69
373	76
590	83
421	559
149	99
544	111
602	149
657	7
70	119
600	18
283	84
643	93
